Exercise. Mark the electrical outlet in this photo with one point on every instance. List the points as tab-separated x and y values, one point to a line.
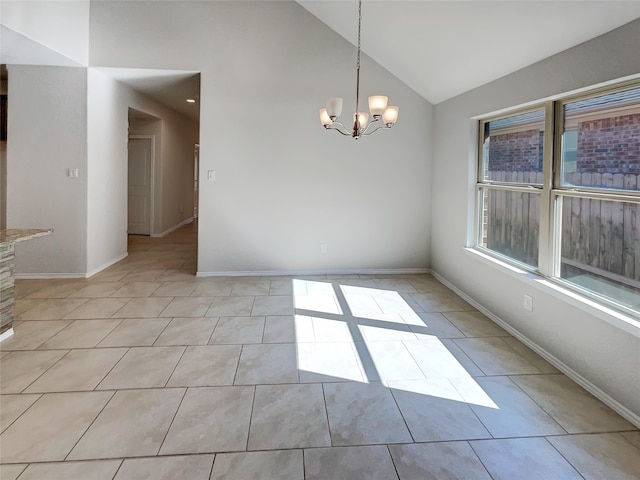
72	172
528	303
323	248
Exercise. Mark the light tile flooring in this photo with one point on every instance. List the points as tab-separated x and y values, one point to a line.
147	372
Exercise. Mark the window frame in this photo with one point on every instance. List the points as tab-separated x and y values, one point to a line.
552	193
481	183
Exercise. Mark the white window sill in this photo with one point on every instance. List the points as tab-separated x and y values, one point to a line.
609	315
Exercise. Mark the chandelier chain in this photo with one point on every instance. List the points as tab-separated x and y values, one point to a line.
357	119
359	28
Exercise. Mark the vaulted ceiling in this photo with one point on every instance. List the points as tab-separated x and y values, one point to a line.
444	48
439	48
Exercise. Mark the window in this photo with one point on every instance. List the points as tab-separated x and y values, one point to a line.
510	185
569	151
598	195
570	210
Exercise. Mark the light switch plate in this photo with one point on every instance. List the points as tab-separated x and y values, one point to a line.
211	175
72	172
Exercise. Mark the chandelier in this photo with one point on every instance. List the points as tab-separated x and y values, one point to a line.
387	115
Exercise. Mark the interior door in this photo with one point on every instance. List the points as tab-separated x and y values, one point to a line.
139	202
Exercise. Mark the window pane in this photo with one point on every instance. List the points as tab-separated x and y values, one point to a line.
513	149
510	224
600	241
601	142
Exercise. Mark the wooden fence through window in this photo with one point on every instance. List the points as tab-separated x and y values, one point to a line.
601	237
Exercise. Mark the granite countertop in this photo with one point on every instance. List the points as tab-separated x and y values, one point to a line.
13	235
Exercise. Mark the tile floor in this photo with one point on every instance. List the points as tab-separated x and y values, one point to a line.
147	372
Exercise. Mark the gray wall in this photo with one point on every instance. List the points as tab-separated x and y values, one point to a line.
48	134
596	346
283	185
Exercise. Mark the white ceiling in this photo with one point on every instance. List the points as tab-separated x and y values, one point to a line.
438	48
444	48
168	87
15	48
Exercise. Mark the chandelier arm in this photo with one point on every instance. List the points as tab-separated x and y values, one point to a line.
366	129
381	127
342	131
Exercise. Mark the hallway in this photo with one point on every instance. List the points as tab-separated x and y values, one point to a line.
146	371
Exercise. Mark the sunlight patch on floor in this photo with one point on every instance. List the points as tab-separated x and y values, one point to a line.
363	334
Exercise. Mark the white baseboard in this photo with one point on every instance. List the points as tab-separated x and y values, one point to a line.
106	265
564	368
47	276
52	276
289	273
175	227
6	334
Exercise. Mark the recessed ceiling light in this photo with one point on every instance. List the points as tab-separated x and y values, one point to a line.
191	100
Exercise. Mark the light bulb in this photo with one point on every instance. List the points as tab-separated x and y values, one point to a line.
334	107
390	115
324	118
363	118
377	105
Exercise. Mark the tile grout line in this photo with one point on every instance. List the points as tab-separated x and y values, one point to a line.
91	423
480	460
565	458
395	467
49	368
55	334
171	319
96	389
326	411
475	414
213	464
40	395
173	370
395	401
304	464
536	404
238	365
173	418
264	326
253	402
115	473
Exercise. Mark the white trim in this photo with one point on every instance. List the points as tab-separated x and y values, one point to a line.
47	276
106	265
567	95
6	334
274	273
606	314
91	273
574	120
564	368
175	227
